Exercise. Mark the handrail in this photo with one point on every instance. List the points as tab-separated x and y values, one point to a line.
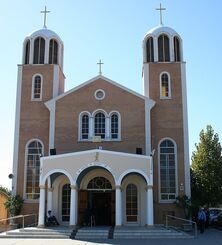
20	216
187	220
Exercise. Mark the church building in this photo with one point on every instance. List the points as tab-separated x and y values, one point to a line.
101	154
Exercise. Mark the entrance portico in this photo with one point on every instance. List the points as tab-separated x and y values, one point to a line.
126	198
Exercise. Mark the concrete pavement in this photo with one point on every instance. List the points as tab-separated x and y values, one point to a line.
210	237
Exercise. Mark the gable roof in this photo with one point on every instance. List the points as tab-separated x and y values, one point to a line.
93	80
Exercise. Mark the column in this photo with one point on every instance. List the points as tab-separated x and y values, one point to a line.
73	206
49	199
118	206
41	222
149	200
107	131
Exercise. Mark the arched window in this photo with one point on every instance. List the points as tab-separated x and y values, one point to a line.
37	88
39	50
131	203
167	170
114	126
66	192
165	86
53	52
100	125
99	183
85	127
149	50
34	151
176	49
163	48
27	52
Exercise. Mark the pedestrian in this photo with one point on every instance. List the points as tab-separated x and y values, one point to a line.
201	219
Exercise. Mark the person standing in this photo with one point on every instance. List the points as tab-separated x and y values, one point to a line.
201	219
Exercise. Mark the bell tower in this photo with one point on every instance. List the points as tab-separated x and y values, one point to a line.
164	81
40	78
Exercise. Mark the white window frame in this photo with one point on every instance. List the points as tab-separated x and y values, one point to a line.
176	172
92	125
169	86
25	170
33	87
119	125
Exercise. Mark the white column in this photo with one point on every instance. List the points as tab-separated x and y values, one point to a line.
91	133
49	199
31	54
46	58
73	206
107	128
41	222
118	206
149	200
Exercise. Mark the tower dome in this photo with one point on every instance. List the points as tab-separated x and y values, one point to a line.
162	44
43	46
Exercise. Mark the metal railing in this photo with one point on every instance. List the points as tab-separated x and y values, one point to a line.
188	222
9	223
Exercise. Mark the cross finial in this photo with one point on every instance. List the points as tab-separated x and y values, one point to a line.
161	9
100	67
45	12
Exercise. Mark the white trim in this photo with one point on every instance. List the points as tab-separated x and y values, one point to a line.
56	170
95	151
25	168
176	171
24	50
81	114
133	171
33	87
55	80
146	80
46	58
180	47
97	91
119	125
185	131
149	104
17	127
95	79
51	107
169	85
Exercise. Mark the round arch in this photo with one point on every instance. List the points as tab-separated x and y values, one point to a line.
43	179
133	171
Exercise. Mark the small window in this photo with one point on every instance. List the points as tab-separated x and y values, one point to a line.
99	94
37	88
139	151
39	50
27	52
131	203
176	49
165	86
163	48
114	126
85	127
149	50
53	52
100	125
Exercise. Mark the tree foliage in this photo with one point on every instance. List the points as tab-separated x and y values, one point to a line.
14	205
206	169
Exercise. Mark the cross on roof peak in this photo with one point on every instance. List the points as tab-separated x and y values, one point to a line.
45	12
161	16
100	67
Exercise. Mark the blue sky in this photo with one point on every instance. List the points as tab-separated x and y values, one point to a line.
113	30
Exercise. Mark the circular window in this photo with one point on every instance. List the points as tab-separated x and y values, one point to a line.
99	94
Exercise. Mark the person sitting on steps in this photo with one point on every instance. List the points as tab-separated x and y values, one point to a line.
51	219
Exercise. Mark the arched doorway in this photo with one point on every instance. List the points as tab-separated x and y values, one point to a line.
96	204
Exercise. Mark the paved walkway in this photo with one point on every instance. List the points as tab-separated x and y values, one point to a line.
210	237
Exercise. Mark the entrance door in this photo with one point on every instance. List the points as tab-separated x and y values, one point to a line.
101	207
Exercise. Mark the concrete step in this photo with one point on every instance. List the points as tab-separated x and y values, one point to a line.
92	233
38	233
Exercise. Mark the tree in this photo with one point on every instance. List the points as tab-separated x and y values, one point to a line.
14	204
206	184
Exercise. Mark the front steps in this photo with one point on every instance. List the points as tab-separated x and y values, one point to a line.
41	233
96	233
147	232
